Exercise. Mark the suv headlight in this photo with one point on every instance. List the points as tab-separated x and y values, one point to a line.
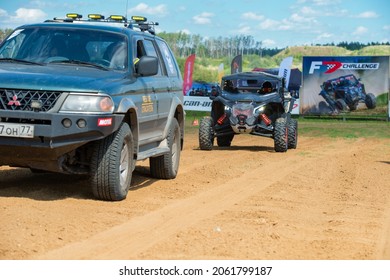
87	103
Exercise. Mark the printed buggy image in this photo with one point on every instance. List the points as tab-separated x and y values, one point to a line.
343	93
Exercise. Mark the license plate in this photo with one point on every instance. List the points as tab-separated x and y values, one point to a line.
16	130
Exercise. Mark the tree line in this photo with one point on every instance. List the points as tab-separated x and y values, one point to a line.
184	44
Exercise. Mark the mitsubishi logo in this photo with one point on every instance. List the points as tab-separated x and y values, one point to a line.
14	101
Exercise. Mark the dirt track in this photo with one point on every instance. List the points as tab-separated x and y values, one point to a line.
328	199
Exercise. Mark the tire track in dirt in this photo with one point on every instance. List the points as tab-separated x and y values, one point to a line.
128	240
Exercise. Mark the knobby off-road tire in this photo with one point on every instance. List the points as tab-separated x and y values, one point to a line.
341	105
206	134
370	101
166	166
225	141
112	165
292	129
280	135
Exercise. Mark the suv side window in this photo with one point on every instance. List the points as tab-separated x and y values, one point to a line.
146	47
169	60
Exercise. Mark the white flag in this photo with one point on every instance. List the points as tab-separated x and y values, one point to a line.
285	69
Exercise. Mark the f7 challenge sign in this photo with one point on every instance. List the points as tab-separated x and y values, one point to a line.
333	66
345	85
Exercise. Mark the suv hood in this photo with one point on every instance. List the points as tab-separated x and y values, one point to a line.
57	77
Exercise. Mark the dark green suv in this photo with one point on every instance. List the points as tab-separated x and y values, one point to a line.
91	97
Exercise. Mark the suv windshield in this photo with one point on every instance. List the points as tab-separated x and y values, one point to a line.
56	45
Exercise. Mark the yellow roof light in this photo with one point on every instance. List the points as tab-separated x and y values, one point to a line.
117	18
139	18
73	15
95	16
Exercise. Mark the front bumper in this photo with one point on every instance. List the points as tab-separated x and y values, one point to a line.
51	138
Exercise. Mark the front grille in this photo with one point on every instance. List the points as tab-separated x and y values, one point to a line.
21	100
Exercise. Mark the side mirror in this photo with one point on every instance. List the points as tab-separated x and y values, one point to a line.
147	66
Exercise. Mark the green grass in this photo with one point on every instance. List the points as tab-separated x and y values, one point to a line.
344	128
319	127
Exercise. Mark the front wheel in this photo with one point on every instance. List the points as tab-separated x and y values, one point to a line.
225	141
341	105
370	101
112	165
280	135
167	165
206	134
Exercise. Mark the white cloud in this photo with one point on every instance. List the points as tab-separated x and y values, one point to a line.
361	30
324	36
308	11
203	18
23	15
3	13
269	24
246	30
268	43
144	9
300	19
324	2
185	31
252	16
368	14
386	27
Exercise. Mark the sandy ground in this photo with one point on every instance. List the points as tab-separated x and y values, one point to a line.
328	199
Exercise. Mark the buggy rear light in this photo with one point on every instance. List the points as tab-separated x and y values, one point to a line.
221	119
265	119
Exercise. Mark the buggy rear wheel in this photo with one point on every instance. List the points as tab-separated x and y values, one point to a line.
206	134
281	135
292	128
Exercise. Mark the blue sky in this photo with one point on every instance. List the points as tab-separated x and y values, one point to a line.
276	23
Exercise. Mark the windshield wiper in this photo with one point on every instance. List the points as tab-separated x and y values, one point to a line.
8	59
79	62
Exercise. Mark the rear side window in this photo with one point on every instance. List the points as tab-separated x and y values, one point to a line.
169	60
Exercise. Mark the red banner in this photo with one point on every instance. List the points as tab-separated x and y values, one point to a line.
188	69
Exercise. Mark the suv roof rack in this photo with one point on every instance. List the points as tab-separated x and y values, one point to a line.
139	22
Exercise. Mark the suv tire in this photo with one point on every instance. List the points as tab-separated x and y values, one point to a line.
112	165
167	165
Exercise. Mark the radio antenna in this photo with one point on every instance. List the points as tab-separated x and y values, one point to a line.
127	4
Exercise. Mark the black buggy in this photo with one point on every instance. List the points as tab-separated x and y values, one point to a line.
255	103
344	92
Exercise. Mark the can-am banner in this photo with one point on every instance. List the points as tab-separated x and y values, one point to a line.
345	85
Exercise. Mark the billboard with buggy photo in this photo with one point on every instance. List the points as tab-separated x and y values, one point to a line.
355	85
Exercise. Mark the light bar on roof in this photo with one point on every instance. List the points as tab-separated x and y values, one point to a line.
139	18
95	16
73	15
